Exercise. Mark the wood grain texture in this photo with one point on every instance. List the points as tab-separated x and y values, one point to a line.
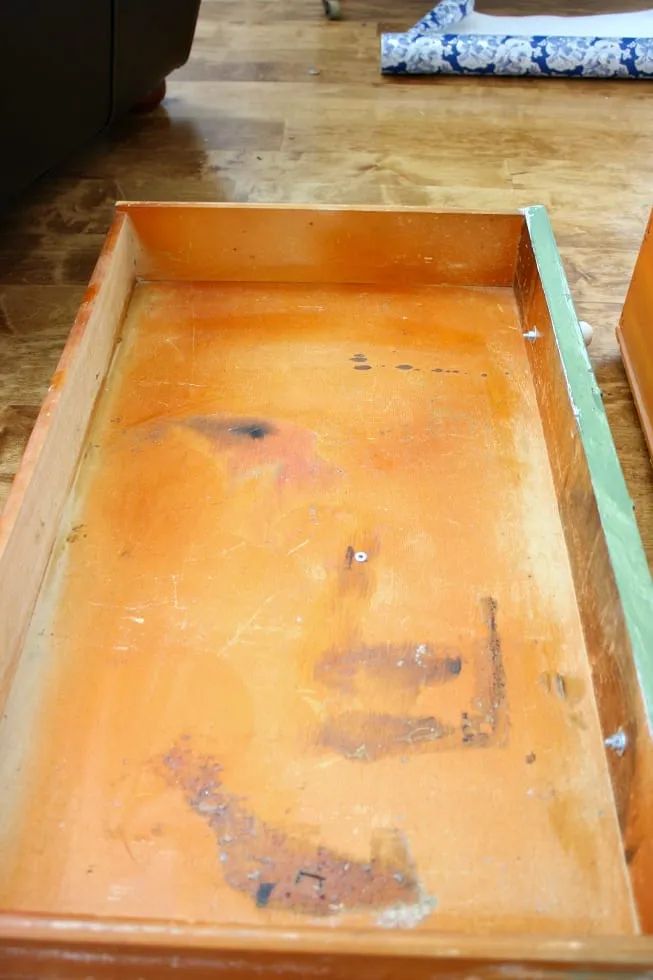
619	696
245	120
119	951
30	517
324	243
635	334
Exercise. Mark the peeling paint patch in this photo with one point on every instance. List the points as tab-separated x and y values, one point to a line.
403	916
484	726
280	871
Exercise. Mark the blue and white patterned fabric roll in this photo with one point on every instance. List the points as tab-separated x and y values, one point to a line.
426	49
446	13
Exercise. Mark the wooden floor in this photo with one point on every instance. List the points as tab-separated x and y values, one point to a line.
278	104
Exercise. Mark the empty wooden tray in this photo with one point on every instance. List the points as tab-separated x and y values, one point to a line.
326	627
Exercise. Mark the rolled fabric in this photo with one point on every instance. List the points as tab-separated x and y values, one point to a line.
447	12
425	49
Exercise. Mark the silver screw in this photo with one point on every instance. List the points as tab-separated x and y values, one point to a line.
617	742
360	556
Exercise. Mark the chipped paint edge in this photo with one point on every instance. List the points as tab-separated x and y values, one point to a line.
630	567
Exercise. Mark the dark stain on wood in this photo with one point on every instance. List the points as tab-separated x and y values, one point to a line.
564	686
217	428
253	430
369	735
405	665
486	724
263	893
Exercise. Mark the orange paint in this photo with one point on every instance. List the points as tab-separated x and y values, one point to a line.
328	244
229	690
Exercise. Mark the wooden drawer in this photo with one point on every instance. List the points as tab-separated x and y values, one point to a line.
326	627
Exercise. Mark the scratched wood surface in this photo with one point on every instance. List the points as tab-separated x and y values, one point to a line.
248	119
312	645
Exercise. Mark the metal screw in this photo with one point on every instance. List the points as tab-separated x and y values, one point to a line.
617	742
360	556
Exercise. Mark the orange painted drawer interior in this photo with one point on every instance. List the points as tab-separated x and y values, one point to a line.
309	651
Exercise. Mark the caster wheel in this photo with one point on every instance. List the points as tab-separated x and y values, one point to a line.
153	99
332	9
